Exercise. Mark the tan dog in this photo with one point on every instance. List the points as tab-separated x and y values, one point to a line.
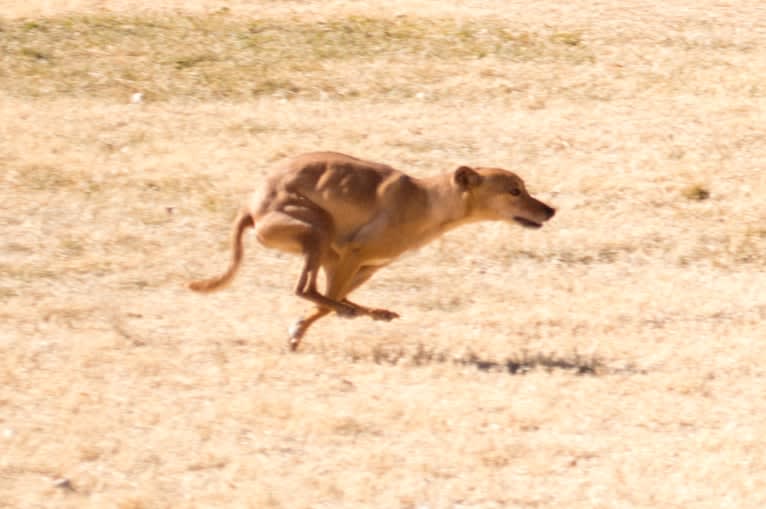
351	217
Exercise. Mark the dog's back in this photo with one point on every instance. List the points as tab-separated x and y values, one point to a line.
348	189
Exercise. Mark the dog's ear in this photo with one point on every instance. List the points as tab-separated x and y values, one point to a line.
466	178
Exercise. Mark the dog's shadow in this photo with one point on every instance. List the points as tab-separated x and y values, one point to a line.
525	362
519	363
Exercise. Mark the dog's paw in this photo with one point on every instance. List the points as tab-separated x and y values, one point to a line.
295	332
383	314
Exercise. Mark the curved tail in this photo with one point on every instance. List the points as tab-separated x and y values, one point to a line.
244	221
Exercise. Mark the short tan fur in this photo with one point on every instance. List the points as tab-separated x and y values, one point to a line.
351	217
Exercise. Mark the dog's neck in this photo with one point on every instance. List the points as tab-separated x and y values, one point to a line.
449	205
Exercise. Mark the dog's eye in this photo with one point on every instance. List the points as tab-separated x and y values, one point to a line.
515	191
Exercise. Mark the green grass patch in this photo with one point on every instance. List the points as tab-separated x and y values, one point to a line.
696	192
223	56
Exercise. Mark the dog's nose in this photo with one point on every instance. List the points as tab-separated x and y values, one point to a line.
549	212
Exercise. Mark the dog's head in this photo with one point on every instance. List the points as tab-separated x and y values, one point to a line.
493	193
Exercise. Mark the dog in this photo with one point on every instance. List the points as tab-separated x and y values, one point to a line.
351	217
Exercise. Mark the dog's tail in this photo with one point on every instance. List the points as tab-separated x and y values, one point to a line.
244	221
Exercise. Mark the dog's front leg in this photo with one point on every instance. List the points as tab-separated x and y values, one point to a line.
375	313
361	277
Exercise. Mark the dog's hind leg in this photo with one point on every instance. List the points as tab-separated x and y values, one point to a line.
302	231
299	328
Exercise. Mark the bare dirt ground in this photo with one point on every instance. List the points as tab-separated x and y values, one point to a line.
614	358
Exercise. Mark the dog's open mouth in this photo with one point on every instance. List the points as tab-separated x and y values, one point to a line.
526	223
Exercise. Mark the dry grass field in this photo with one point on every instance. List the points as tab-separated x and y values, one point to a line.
615	358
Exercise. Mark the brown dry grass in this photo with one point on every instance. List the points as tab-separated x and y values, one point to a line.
614	358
